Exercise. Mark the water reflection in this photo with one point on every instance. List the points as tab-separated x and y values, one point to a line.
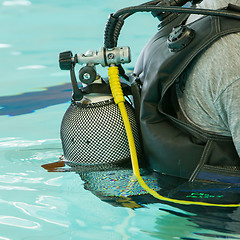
203	222
116	185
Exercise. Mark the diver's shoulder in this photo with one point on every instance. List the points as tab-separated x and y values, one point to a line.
225	50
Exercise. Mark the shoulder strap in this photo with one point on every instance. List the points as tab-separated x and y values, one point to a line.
207	30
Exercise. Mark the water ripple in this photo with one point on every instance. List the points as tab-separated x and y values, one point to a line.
17	3
16	188
4	45
13	178
3	238
18	222
54	181
49	212
31	67
14	142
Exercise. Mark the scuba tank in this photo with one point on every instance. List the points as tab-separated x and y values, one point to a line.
92	131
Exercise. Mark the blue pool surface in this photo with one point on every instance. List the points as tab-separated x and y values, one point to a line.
34	94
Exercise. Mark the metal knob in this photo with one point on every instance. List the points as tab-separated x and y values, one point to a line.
66	60
87	74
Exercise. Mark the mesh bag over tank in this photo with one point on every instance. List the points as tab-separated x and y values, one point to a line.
95	134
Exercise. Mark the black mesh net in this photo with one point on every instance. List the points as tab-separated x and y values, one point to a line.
95	134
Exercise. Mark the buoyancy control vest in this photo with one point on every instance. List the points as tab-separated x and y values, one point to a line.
171	146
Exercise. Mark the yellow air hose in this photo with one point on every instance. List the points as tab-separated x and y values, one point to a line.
119	99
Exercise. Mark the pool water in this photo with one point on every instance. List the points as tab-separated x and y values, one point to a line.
34	94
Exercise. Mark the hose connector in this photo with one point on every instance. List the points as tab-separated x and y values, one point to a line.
115	84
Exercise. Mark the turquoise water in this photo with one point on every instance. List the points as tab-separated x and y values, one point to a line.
34	94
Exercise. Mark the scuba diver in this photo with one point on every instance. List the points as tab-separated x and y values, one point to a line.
184	87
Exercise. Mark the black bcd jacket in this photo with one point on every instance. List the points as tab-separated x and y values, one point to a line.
171	146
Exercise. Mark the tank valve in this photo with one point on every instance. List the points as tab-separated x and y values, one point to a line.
87	74
105	57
